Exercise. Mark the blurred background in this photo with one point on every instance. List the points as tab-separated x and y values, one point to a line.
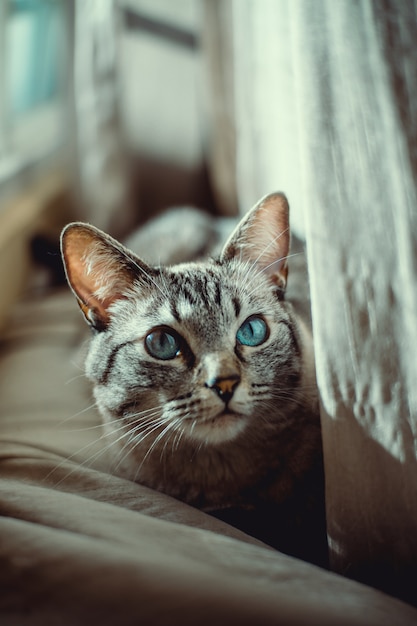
107	114
113	110
111	92
132	106
143	104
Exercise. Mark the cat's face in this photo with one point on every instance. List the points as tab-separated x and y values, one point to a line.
203	351
199	352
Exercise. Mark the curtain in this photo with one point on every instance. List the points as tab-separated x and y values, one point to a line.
325	109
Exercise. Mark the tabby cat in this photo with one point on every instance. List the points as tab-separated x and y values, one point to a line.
205	379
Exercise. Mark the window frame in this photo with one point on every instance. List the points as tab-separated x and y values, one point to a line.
39	137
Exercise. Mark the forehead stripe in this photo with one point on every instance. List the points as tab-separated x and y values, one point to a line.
174	311
105	373
218	295
199	293
237	306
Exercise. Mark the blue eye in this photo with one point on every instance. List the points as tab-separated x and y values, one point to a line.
253	332
162	344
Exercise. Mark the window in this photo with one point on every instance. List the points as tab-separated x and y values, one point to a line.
33	61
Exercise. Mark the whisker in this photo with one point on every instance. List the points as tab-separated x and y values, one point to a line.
254	263
71	380
70	417
167	428
265	269
145	273
271	243
86	462
136	436
105	436
85	428
70	458
178	436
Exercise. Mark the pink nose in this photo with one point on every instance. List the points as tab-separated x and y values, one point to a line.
224	387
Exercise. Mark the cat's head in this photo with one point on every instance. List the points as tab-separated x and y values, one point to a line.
197	351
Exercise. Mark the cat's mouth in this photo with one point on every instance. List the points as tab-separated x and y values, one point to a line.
224	426
224	415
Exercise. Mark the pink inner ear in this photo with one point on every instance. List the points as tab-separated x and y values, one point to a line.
95	270
266	237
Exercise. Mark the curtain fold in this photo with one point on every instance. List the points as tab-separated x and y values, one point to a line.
326	110
269	113
361	231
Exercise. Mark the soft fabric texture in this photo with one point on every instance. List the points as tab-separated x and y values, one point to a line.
80	546
325	109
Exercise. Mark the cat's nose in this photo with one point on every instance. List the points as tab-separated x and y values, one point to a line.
224	386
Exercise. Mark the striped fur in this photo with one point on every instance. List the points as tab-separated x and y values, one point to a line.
169	422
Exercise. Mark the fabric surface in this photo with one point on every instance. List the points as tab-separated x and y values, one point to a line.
78	545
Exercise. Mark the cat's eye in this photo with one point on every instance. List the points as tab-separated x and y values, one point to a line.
253	331
163	344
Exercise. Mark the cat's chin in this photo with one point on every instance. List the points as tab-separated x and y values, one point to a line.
219	429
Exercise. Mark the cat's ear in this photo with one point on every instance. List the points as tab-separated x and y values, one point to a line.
99	270
263	238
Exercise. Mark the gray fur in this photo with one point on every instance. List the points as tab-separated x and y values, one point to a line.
163	416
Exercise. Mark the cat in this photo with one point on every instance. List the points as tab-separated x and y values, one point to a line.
204	377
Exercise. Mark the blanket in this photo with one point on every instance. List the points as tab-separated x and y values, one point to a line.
81	546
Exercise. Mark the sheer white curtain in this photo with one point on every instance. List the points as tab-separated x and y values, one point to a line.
325	101
269	108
